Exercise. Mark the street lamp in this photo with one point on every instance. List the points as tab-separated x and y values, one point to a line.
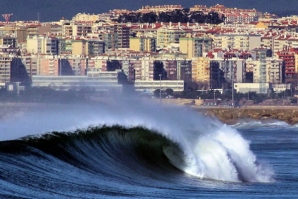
159	88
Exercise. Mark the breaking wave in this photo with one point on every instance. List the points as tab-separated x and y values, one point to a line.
147	146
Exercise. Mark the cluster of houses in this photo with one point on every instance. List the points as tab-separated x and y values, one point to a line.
249	52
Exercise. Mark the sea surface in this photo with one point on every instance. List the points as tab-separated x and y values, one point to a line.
144	151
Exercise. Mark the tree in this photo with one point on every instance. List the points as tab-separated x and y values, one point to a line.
156	93
157	70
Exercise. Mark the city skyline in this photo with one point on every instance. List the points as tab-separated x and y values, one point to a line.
43	10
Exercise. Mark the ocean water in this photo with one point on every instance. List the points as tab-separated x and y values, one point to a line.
135	150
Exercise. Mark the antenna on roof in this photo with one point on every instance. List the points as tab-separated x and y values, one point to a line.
7	17
38	16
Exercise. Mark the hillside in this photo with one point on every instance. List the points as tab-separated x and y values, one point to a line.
50	10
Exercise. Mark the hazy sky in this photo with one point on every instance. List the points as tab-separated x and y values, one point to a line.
55	9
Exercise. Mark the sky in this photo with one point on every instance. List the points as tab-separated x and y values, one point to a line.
53	10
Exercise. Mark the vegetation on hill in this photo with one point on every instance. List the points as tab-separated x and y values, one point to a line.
175	16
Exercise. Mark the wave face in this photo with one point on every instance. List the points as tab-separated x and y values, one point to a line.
144	150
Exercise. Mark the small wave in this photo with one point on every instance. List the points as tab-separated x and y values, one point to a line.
251	124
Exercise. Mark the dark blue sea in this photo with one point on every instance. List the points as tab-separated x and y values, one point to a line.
136	150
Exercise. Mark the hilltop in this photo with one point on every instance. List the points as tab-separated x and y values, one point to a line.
53	10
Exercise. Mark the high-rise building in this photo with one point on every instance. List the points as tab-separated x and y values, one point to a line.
195	46
5	63
142	44
43	45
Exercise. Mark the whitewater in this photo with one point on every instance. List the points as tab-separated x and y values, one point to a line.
136	149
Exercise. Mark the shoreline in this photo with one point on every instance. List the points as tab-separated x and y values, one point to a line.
288	114
228	115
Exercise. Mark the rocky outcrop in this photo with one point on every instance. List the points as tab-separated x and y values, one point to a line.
233	115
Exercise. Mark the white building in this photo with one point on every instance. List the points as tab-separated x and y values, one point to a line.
260	87
151	86
99	82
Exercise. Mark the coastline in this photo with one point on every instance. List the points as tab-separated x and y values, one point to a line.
228	115
288	114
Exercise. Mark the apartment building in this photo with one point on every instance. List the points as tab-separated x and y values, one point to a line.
146	30
95	47
23	68
8	41
74	65
271	70
67	28
122	33
201	69
142	44
184	68
216	76
97	63
5	64
86	17
21	35
81	30
288	56
33	29
195	46
86	47
42	45
225	72
79	47
48	66
243	42
275	70
168	35
115	37
159	8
